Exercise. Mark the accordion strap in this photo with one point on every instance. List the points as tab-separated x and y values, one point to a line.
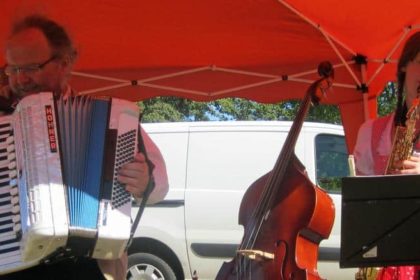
8	105
149	188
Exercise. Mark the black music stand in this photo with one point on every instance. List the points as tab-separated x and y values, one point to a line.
380	221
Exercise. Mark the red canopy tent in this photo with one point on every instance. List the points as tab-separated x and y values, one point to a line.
263	50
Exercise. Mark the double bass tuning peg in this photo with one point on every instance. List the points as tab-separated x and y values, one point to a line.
326	70
319	88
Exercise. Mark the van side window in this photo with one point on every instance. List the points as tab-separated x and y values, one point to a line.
331	161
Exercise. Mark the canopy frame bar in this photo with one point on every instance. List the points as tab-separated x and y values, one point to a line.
390	53
271	78
329	38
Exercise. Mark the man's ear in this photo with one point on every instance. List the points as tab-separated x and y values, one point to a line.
66	63
403	69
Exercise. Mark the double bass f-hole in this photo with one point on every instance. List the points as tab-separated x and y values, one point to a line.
285	216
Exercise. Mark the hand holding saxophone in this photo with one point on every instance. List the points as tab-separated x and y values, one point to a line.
402	160
410	166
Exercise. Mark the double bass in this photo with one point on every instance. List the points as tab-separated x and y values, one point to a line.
285	216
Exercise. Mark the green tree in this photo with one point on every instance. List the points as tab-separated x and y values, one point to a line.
174	109
388	99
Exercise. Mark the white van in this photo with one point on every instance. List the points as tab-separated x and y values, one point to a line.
210	166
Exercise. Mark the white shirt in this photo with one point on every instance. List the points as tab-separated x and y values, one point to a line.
159	172
363	149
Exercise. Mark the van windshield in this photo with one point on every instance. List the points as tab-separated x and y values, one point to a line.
331	161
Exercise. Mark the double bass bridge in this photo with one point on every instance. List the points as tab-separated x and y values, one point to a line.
257	255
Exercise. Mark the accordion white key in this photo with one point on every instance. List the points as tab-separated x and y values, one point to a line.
58	178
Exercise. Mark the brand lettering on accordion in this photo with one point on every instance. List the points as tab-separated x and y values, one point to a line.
51	131
60	179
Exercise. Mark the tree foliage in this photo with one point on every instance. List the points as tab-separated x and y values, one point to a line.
174	109
388	99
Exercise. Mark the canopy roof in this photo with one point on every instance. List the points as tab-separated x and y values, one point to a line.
263	50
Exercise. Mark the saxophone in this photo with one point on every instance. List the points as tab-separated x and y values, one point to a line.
402	145
366	273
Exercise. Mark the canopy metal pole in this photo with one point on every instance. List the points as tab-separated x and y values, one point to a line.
365	94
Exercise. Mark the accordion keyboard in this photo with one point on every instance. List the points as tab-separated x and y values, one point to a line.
29	230
10	224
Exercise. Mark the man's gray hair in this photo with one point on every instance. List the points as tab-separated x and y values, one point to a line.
57	37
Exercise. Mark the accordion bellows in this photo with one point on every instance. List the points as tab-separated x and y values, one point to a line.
59	161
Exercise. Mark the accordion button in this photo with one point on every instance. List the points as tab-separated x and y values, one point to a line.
12	174
11	156
10	148
13	183
17	227
16	209
16	218
12	165
10	140
15	200
14	191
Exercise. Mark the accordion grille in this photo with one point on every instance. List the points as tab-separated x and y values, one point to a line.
124	153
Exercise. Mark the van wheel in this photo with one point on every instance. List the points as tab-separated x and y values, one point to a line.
144	266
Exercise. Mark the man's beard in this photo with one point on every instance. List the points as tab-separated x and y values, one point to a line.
22	91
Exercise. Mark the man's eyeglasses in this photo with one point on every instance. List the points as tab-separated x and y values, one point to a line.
11	70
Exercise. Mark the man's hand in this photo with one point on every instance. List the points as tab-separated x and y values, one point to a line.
135	175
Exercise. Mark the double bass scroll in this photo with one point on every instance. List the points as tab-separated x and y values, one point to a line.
285	216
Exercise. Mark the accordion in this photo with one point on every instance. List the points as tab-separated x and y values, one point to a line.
58	179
